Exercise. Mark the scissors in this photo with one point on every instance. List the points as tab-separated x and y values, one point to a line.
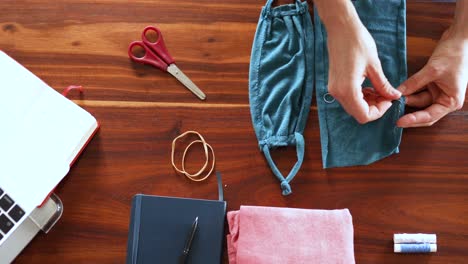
156	54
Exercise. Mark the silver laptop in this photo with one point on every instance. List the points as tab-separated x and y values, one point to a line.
11	213
41	219
41	134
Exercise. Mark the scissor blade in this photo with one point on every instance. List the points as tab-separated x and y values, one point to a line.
179	75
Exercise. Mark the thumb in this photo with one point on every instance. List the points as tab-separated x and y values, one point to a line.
417	81
381	83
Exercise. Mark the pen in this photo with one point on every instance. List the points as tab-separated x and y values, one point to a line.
188	242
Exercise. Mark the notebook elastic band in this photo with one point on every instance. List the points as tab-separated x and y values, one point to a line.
220	186
72	87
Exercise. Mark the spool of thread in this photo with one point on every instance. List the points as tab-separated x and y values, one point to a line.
414	238
415	248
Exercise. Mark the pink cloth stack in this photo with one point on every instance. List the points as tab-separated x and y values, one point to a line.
286	235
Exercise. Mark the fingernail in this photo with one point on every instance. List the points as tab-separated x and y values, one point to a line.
396	92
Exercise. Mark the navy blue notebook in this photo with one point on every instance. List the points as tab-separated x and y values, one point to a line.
159	227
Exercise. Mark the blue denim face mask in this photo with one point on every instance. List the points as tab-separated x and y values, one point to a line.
281	81
344	141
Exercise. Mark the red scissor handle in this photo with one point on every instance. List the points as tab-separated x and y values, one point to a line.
159	47
149	57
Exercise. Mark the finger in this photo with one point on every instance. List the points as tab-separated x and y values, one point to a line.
370	94
362	111
419	100
417	81
369	91
373	98
424	117
381	83
381	107
419	125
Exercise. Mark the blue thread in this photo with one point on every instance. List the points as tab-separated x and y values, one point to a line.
415	248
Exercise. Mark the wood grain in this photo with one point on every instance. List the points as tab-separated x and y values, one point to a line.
422	189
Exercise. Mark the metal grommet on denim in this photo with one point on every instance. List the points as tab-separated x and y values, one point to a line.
328	98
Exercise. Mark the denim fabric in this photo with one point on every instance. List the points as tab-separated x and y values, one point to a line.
344	141
281	81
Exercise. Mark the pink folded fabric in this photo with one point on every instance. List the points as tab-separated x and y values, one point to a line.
286	235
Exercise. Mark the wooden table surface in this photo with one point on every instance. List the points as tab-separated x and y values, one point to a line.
422	189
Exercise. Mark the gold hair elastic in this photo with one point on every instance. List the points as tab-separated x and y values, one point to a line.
206	146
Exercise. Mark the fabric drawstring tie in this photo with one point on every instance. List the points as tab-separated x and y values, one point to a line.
300	158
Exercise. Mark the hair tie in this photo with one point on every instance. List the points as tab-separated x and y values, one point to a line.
206	146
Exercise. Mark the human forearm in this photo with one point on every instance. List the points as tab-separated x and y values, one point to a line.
337	14
460	24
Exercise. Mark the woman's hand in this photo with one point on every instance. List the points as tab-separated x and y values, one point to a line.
440	86
353	57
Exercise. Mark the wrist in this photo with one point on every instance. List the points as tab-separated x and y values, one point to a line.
337	14
456	34
459	31
459	27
